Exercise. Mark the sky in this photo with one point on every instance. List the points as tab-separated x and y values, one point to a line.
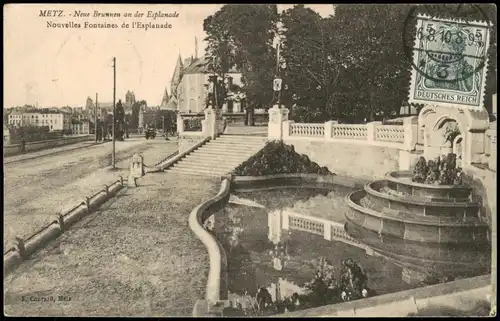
63	66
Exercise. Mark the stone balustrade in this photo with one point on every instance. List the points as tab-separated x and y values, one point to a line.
396	136
390	133
307	130
350	131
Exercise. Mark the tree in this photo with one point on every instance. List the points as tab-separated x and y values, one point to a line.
119	120
368	47
310	75
241	36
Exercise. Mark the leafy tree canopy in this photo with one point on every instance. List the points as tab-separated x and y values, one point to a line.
350	66
241	36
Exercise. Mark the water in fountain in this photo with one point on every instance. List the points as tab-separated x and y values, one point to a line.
430	230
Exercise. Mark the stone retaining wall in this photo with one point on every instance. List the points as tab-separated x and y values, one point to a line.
462	295
24	248
11	150
217	287
350	159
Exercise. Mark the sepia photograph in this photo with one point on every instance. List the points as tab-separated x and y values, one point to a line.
250	160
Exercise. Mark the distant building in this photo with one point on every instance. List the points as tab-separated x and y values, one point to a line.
78	110
67	109
165	99
81	127
129	99
103	107
89	104
188	61
172	104
147	117
192	90
176	77
189	86
53	120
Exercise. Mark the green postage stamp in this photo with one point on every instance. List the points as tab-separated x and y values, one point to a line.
450	62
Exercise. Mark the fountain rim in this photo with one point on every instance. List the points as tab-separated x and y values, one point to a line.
390	176
414	200
368	211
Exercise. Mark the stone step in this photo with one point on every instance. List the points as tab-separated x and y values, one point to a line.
229	151
238	154
210	162
194	171
231	147
205	165
213	167
243	137
240	140
236	143
220	170
221	153
213	158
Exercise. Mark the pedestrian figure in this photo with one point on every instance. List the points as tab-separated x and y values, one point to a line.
23	145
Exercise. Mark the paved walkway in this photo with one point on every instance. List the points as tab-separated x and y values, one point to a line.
36	189
49	151
136	257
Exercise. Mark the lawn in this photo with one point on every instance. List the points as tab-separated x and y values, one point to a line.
134	257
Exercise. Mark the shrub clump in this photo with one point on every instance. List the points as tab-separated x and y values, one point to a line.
279	158
439	171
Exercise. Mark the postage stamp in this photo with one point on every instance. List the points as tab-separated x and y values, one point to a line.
449	62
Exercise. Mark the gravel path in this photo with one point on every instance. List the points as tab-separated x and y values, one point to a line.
38	188
135	257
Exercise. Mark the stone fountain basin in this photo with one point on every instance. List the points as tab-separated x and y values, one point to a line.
401	182
424	257
421	206
418	228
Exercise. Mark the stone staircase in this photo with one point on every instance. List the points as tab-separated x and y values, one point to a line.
219	156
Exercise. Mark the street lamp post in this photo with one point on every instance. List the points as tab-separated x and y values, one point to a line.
95	118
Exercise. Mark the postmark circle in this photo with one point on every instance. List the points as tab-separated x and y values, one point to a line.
452	50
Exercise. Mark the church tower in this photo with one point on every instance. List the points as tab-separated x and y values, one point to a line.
176	77
89	104
165	99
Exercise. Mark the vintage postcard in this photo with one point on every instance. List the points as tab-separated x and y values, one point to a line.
243	160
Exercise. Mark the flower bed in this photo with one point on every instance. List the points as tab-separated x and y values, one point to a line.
279	158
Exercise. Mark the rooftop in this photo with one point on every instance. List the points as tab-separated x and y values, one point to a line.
39	112
201	66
